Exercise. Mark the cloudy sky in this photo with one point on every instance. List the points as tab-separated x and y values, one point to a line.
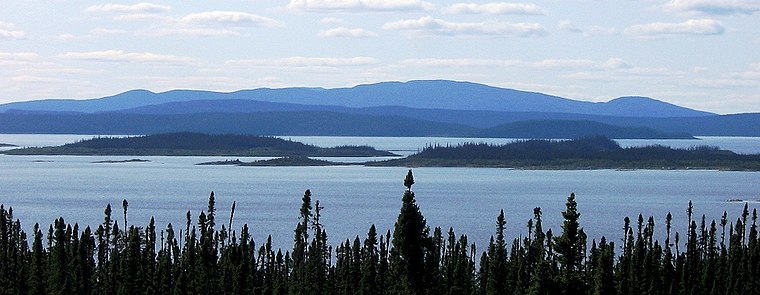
696	53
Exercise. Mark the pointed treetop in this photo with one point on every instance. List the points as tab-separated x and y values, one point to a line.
409	180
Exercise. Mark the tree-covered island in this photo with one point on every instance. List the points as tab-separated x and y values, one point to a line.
584	153
281	161
198	144
596	152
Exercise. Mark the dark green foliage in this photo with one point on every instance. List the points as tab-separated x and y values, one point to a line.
369	283
411	242
497	261
571	249
583	153
409	180
189	141
197	144
534	149
714	258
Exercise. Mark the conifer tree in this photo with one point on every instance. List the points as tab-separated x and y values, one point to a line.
300	275
58	281
123	260
497	261
410	243
164	266
370	263
36	279
483	275
603	276
570	247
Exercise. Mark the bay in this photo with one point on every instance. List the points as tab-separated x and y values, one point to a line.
41	188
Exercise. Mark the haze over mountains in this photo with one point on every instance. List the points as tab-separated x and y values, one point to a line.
415	108
435	94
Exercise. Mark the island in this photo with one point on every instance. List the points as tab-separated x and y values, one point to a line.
198	144
121	161
281	161
7	145
578	154
235	162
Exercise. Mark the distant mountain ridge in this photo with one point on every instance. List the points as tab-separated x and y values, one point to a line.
425	94
414	108
310	123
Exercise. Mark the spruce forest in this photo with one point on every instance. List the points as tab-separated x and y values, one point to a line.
205	256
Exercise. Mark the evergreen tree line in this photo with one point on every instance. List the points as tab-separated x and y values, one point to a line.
207	257
593	147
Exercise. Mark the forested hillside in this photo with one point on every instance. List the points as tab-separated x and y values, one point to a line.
197	144
595	152
205	256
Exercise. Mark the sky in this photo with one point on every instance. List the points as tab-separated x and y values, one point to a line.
694	53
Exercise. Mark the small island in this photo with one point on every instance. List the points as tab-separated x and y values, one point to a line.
578	154
7	145
292	161
198	144
235	162
121	161
281	161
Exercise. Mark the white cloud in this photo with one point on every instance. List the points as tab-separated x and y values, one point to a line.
332	21
569	26
9	31
135	12
616	64
229	18
142	17
460	62
17	58
610	64
602	73
66	37
725	83
36	79
563	63
139	8
347	33
496	8
721	7
300	61
599	31
208	24
367	5
689	27
650	72
753	74
191	32
103	31
201	24
591	31
120	56
433	26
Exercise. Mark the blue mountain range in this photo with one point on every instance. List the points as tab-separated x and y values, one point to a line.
425	94
414	108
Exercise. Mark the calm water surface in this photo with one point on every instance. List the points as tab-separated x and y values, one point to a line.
41	188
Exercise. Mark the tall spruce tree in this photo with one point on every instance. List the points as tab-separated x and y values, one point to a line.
410	243
570	248
300	274
497	261
370	263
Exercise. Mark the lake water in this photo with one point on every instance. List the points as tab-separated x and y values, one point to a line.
41	188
